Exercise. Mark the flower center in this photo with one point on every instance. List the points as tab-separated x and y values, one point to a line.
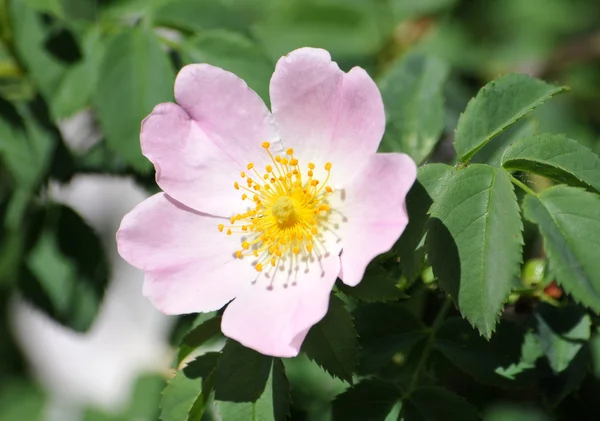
287	214
284	211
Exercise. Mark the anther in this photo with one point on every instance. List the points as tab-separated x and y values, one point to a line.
221	226
266	145
250	166
311	165
293	162
258	267
290	151
236	185
328	166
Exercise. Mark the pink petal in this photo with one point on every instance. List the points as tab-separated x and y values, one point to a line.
324	113
375	211
200	148
189	264
275	322
189	166
231	114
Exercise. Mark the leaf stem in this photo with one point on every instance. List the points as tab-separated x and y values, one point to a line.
439	318
522	185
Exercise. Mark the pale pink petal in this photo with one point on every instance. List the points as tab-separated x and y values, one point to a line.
189	166
189	264
231	114
324	113
200	148
374	210
275	321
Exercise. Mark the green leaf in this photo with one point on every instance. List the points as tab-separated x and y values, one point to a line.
20	401
135	75
232	52
437	404
430	180
497	106
241	373
30	36
385	330
569	220
179	397
67	270
202	366
272	405
491	153
77	87
433	177
311	384
346	28
370	400
380	281
198	336
414	105
513	411
332	343
404	9
24	140
196	16
557	157
496	362
475	216
595	351
562	332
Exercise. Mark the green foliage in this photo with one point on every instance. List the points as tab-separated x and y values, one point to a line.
65	280
135	75
385	331
504	361
414	105
448	406
556	157
241	373
233	52
370	400
179	397
562	332
381	281
198	336
496	107
473	217
272	405
569	220
332	343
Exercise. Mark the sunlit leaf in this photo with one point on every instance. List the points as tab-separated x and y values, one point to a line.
569	220
497	106
472	219
555	156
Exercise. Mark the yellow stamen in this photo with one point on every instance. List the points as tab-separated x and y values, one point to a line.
289	213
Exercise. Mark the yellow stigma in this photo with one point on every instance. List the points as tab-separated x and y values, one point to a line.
287	215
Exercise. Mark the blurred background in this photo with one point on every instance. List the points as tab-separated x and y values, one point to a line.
77	339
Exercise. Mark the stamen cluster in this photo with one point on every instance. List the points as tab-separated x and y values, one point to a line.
287	212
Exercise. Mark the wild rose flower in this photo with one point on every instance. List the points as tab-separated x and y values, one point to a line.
265	210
